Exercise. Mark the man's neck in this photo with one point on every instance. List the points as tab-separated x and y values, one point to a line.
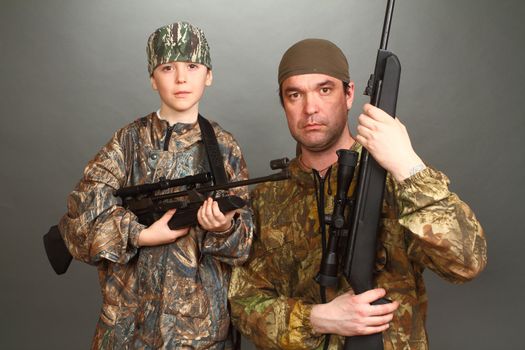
321	160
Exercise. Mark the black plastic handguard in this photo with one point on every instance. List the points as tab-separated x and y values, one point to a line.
186	214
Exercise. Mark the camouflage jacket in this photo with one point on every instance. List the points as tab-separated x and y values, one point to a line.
169	296
423	225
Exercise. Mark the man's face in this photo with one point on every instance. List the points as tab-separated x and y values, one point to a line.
180	85
316	109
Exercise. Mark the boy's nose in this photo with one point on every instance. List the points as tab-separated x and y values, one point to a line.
180	77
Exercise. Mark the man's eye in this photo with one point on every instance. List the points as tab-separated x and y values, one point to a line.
325	90
293	95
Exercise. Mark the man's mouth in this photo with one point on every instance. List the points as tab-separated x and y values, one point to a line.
312	126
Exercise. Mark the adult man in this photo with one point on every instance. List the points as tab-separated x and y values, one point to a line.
275	300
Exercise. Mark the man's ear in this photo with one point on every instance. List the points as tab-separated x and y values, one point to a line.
350	95
209	77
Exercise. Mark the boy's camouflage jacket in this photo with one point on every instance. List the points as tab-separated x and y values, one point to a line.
169	296
423	225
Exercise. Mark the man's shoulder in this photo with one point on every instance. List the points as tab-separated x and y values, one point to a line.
265	188
276	193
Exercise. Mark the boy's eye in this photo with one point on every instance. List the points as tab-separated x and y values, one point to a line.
193	66
166	68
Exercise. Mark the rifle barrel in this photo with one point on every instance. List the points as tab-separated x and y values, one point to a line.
386	24
282	175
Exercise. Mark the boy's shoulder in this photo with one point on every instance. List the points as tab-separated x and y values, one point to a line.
137	124
223	136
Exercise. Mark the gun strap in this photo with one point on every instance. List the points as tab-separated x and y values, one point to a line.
212	150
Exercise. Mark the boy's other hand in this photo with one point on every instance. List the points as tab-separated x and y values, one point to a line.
211	218
160	233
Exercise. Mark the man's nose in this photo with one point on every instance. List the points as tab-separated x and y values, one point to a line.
311	104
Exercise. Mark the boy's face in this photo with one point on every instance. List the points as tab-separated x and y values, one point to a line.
180	85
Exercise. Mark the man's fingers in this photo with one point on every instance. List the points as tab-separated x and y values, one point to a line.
370	295
365	134
376	329
375	321
383	309
367	122
376	113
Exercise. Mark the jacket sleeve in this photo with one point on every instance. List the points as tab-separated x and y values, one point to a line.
268	318
443	232
232	246
95	226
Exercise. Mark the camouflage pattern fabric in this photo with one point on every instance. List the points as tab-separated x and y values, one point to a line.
180	42
172	296
423	225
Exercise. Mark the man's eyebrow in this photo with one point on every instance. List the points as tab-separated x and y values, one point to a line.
291	88
323	83
326	83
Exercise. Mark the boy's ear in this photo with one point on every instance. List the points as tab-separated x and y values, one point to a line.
153	83
209	77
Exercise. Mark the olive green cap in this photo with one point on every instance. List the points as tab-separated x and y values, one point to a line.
314	56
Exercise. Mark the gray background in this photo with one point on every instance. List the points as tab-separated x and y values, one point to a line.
73	72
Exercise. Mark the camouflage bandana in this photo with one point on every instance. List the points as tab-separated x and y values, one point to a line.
180	41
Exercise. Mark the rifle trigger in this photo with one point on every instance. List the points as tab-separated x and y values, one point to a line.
195	196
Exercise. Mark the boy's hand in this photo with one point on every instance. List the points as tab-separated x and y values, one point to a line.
160	233
211	218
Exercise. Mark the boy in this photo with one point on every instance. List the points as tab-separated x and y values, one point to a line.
170	293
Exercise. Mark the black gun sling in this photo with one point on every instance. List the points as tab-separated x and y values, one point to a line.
212	150
56	250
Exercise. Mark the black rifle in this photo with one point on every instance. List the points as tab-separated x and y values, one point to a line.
359	261
354	223
149	207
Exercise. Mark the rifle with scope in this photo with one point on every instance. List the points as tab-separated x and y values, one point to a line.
148	206
354	223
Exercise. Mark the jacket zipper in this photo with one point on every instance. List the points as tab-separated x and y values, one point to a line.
167	138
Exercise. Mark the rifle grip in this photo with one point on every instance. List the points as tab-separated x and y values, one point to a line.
188	217
368	342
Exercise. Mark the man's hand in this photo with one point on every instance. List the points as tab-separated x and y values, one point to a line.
351	314
211	218
388	142
160	233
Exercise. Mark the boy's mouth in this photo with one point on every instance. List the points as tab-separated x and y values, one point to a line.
181	93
